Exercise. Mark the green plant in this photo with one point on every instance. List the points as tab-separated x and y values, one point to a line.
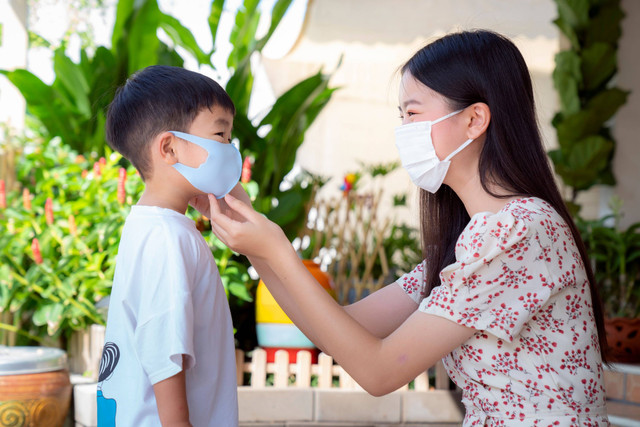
273	139
60	239
58	252
615	254
583	77
74	106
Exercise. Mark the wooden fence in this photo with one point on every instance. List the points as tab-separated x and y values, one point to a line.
324	375
254	371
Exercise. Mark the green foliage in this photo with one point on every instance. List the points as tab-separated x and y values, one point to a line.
51	297
74	106
615	254
54	292
583	78
273	140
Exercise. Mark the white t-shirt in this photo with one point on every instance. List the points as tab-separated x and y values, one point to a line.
167	301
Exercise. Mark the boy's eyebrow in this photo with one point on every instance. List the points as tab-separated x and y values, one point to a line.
222	121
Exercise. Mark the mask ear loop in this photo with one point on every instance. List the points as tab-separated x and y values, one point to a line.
459	149
445	117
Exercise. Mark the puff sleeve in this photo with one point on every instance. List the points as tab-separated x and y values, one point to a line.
499	280
413	283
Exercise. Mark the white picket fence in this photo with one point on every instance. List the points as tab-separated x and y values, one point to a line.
86	348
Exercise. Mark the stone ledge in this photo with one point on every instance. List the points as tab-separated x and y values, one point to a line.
352	405
269	404
433	406
309	407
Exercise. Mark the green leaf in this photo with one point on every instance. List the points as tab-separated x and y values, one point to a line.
124	11
598	65
34	90
72	79
143	39
568	31
277	13
240	86
217	6
585	162
240	291
48	313
182	37
289	206
567	79
590	120
574	12
243	33
605	25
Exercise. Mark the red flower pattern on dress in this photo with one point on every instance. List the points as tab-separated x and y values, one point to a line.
519	280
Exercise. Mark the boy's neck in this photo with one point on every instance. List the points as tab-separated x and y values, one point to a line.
163	199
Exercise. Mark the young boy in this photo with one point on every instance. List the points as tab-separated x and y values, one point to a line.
169	350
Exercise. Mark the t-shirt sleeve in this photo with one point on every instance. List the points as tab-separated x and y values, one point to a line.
413	283
164	332
498	281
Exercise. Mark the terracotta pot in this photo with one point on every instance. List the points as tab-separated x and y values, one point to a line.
34	387
623	336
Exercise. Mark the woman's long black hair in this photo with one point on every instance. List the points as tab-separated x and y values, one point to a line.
482	66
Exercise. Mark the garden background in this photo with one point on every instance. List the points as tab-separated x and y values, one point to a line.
317	108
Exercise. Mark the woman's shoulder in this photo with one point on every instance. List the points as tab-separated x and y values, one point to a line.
516	222
522	213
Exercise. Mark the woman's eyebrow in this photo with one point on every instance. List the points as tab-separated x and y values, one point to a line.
409	102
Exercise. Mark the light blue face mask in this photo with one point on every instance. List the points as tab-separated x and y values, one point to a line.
219	173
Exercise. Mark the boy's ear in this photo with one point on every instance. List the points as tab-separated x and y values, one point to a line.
165	146
479	119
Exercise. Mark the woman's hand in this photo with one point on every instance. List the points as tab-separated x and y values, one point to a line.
202	205
244	230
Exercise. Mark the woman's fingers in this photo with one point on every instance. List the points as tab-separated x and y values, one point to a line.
244	209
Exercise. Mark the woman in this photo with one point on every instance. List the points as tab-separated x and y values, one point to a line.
505	293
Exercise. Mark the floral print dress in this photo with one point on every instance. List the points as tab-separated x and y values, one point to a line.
520	282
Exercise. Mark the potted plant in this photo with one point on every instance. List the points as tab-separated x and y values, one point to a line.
615	254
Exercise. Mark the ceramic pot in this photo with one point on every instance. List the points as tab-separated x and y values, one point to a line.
623	336
34	387
275	330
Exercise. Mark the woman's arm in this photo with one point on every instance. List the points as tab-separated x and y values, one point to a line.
383	311
380	313
379	365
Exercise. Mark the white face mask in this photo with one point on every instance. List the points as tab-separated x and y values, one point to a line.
219	173
418	155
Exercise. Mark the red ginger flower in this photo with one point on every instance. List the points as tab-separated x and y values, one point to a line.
3	195
35	248
48	210
26	199
122	192
72	225
246	170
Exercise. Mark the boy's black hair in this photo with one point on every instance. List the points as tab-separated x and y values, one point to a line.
156	99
